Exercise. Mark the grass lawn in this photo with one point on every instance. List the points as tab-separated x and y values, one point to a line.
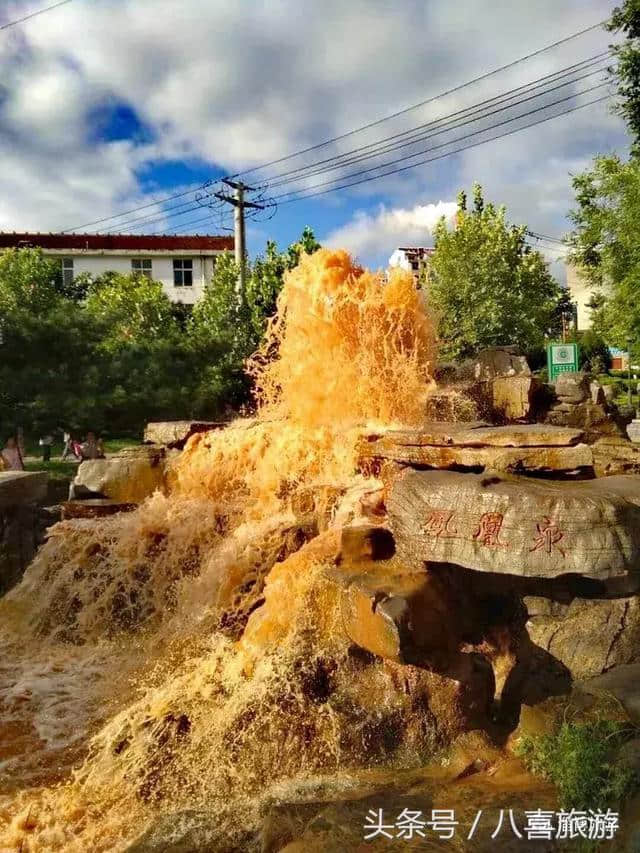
59	469
56	468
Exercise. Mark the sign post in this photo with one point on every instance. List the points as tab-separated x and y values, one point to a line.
562	358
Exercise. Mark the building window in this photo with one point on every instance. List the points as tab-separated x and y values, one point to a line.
67	272
141	266
183	272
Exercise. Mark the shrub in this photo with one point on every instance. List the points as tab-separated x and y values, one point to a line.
581	762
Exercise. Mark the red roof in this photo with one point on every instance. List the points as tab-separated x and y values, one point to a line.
115	242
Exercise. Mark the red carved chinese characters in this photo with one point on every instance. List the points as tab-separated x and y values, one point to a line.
488	532
549	534
439	524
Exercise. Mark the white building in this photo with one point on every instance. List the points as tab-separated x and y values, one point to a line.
182	263
412	258
581	292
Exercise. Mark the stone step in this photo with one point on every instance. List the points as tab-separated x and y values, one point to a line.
483	435
542	460
19	488
94	508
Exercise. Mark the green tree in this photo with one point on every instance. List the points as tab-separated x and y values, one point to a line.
146	364
626	71
487	285
605	244
225	329
46	341
130	308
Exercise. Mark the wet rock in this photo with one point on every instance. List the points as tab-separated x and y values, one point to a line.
336	821
587	636
183	832
460	404
519	526
446	620
470	753
94	508
500	361
176	433
126	477
366	542
318	502
398	614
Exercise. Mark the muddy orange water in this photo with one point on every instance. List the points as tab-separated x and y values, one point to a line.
122	697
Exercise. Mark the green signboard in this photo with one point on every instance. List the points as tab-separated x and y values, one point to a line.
562	358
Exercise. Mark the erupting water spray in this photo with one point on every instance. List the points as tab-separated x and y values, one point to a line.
208	718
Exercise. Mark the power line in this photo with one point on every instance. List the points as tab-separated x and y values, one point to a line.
430	100
184	208
442	145
207	217
160	200
33	15
454	151
546	237
164	214
476	112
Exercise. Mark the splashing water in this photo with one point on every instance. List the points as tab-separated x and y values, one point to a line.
186	657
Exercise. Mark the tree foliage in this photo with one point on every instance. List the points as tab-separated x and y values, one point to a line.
626	71
488	286
605	244
113	352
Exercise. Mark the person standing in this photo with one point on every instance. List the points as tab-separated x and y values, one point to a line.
11	456
68	449
45	443
92	448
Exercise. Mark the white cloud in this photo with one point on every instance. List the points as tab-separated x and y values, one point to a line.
237	85
382	232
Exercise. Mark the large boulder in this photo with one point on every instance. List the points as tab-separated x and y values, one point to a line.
519	526
176	433
588	636
128	476
573	387
500	361
513	396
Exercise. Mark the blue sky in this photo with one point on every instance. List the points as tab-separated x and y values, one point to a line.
107	105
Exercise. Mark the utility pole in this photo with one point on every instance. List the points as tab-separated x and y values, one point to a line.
239	203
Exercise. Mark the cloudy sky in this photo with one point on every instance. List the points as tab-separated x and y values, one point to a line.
109	105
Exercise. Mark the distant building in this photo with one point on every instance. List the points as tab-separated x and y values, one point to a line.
581	291
619	359
182	263
412	258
